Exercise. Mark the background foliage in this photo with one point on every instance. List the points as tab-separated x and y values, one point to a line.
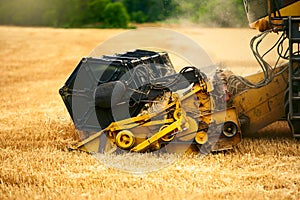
119	13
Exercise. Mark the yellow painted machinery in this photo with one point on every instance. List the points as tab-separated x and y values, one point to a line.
275	93
137	102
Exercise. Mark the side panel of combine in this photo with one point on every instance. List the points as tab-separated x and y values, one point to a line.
260	107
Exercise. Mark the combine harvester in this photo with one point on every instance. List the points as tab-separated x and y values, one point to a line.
137	102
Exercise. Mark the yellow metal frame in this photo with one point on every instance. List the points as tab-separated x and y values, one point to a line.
91	144
179	124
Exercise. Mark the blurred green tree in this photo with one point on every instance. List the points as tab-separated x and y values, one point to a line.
96	8
141	11
116	16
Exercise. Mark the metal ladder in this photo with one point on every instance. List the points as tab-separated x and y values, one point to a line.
294	75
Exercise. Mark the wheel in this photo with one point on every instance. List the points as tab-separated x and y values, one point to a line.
230	129
169	137
201	137
125	139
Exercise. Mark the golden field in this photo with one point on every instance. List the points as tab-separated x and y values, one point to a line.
35	130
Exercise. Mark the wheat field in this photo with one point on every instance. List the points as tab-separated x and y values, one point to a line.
35	130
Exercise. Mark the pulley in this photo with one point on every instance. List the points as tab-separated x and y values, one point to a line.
125	139
201	137
230	129
167	138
